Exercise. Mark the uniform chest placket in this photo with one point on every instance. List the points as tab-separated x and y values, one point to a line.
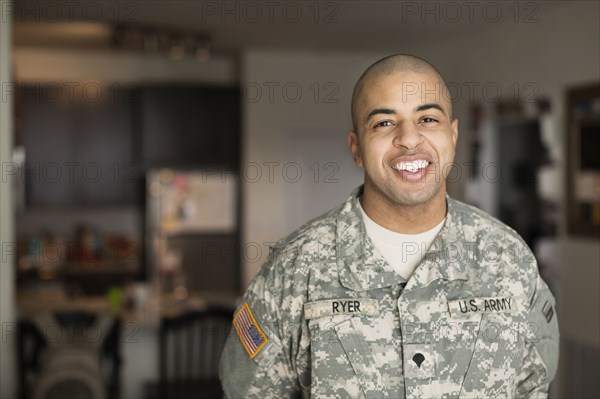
419	310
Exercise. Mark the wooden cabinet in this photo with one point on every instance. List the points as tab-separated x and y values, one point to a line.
96	153
79	153
190	126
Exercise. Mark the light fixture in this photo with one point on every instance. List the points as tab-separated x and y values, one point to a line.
175	44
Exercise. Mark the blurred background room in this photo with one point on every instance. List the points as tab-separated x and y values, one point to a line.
152	151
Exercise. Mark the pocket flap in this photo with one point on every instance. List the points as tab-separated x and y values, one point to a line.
361	359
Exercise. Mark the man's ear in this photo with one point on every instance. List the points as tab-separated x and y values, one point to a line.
455	132
355	148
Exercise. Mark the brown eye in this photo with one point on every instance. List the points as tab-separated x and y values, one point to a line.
384	124
428	120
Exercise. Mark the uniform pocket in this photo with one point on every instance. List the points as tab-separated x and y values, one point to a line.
496	355
343	365
436	355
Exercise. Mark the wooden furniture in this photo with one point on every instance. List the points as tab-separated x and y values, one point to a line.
583	164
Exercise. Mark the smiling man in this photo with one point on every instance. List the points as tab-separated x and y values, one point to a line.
402	291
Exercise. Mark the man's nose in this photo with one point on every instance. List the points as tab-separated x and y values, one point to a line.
407	135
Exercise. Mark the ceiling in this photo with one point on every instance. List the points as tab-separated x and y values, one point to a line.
316	25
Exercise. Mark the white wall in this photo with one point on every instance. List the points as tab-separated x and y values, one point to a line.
7	302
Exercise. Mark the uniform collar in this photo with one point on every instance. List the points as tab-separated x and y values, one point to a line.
445	258
361	267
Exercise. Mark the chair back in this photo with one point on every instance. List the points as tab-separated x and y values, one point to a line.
74	352
191	345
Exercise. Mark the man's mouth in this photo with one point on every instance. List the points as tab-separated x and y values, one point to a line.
411	166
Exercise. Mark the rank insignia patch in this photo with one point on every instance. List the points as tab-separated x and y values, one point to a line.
252	336
548	311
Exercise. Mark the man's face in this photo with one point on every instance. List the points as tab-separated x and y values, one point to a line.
405	138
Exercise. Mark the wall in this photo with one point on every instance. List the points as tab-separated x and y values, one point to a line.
273	120
7	301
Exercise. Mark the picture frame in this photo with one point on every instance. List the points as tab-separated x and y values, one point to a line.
583	161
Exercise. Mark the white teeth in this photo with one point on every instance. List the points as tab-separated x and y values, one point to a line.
412	166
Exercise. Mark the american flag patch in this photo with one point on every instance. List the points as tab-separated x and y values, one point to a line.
252	336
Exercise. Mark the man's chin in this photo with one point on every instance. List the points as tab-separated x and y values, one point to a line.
415	197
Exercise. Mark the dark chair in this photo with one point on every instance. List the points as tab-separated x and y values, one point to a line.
32	344
190	350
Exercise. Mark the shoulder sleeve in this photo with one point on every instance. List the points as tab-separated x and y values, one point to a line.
255	362
541	344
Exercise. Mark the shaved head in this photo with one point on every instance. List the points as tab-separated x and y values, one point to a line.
390	65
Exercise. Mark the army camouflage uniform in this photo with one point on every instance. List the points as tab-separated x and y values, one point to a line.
327	316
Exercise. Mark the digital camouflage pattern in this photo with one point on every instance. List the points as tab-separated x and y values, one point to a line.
475	320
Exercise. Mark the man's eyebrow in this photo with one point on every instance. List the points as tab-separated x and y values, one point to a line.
428	106
389	111
385	111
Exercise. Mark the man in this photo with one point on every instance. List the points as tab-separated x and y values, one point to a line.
401	292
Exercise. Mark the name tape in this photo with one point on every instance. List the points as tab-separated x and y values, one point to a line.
468	306
330	307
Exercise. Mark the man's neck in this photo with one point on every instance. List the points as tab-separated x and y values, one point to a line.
407	219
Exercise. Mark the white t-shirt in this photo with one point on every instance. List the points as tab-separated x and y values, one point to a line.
402	251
